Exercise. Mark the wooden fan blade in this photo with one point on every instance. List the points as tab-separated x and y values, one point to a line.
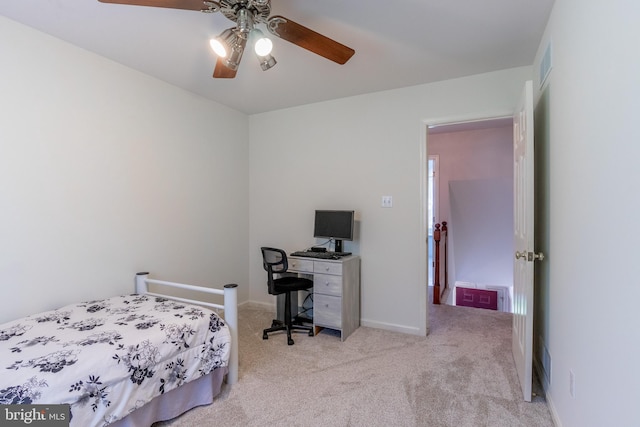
173	4
308	39
222	71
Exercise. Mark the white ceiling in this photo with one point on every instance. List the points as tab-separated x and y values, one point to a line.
398	43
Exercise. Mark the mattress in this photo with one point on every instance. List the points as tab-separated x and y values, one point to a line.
107	358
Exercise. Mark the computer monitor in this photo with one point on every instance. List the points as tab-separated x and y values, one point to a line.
334	224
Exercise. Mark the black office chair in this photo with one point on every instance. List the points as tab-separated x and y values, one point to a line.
274	262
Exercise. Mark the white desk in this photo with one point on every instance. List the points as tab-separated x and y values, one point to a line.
336	291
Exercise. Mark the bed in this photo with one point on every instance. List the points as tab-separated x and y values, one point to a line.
129	360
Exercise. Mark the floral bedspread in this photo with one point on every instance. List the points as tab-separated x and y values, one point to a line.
106	358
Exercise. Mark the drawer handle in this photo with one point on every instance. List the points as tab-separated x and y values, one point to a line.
326	305
326	268
327	283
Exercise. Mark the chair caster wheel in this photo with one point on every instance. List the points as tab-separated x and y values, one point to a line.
310	333
265	336
290	341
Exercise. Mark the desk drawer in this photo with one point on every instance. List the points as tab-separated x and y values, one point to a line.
325	284
327	311
301	265
324	267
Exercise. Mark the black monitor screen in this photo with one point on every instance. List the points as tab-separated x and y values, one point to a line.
334	224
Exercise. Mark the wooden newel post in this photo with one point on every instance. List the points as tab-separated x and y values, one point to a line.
436	265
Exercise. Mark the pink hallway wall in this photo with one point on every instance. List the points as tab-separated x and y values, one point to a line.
470	155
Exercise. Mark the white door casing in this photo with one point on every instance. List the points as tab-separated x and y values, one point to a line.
522	335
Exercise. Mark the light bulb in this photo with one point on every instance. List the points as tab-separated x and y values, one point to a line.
263	46
218	48
222	44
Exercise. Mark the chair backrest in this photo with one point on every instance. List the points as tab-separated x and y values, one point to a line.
274	261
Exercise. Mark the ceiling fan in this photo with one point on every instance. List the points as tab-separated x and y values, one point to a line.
231	43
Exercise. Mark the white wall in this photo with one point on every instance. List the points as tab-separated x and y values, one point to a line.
347	153
587	143
481	231
105	172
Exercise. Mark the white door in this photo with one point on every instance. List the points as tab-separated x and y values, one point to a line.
522	340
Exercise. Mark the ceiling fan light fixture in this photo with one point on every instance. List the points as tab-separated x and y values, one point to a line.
266	61
222	44
235	55
218	48
262	45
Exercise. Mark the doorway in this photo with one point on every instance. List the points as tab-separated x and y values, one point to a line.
469	185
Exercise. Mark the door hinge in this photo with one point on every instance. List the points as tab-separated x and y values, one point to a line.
531	256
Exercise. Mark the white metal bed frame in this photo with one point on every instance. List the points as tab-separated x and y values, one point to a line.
230	307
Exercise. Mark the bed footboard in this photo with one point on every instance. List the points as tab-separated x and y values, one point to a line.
230	307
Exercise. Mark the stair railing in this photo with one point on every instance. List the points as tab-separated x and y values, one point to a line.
439	233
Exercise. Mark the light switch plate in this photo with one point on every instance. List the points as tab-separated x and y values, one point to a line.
387	201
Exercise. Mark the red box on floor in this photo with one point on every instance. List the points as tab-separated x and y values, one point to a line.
478	298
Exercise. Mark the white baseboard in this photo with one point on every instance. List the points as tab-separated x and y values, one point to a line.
552	410
260	304
390	327
545	388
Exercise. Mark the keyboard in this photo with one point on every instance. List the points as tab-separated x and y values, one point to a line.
320	255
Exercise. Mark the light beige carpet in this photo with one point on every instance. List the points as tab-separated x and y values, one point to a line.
461	375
